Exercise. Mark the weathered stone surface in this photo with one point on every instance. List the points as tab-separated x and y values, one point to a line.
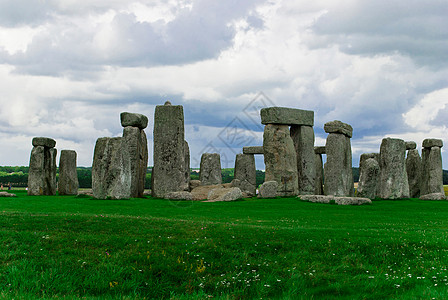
316	198
320	150
219	194
432	173
183	195
303	139
187	165
134	139
133	120
88	192
6	194
286	116
366	156
280	159
194	184
368	178
428	143
42	172
268	189
393	176
338	168
111	169
411	145
68	177
433	196
414	171
338	127
253	150
210	169
319	180
201	192
44	141
245	173
336	200
169	154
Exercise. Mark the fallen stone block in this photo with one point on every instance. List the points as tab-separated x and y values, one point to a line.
221	194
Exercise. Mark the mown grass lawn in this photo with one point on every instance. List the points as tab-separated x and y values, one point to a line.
73	247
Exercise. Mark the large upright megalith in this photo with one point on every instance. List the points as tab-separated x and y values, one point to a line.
280	159
413	169
369	171
245	173
393	175
169	150
134	139
68	177
210	169
319	180
338	168
432	174
42	172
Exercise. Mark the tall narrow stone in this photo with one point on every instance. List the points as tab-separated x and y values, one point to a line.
319	180
432	173
245	173
210	169
42	172
68	176
169	153
393	175
303	139
187	164
280	159
338	168
413	169
368	178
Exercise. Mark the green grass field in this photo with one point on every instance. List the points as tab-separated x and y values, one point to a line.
55	247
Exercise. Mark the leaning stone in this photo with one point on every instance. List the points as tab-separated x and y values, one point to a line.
68	176
303	139
338	127
319	180
253	150
414	171
230	194
184	195
411	145
428	143
368	179
201	192
245	173
432	173
210	169
352	201
286	116
133	120
268	189
194	184
44	141
433	196
6	194
320	150
280	159
393	176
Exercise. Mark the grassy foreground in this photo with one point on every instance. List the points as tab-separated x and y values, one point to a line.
273	248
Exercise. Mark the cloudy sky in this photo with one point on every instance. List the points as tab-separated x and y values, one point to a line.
69	67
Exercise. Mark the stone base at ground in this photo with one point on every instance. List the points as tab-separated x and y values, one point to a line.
224	194
268	189
433	196
194	184
201	192
336	200
179	196
6	194
88	192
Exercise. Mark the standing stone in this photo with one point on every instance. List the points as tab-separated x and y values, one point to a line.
187	165
68	177
303	139
280	159
319	180
432	173
366	156
338	168
111	169
42	172
210	169
368	178
414	171
393	175
169	153
245	172
268	189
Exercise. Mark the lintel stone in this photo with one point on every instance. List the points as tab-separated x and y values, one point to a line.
320	150
411	145
44	141
428	143
286	116
253	150
338	127
134	120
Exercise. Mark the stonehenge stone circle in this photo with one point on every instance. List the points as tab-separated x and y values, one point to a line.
286	116
253	150
280	159
210	169
414	171
245	173
338	168
303	139
393	175
42	171
68	177
319	167
168	173
432	173
368	178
